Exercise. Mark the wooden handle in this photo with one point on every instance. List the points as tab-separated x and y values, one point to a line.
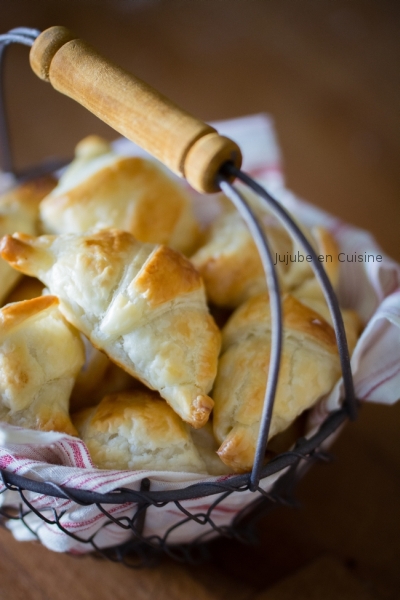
189	147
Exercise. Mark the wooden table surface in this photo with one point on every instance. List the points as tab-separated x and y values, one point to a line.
328	73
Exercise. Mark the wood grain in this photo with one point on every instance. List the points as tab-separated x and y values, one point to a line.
188	146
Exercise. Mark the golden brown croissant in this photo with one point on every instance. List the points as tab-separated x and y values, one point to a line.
40	357
19	211
230	265
143	305
101	189
309	369
138	430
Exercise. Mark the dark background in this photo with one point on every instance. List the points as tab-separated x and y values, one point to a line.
328	73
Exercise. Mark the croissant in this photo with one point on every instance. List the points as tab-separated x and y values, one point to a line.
101	189
143	305
40	357
138	430
19	211
230	265
309	368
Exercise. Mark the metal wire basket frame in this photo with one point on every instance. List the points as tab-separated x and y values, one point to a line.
146	548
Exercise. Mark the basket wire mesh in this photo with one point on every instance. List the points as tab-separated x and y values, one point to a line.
141	550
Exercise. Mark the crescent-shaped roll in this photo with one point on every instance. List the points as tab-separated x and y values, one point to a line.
40	357
230	265
138	430
101	189
19	211
143	305
309	368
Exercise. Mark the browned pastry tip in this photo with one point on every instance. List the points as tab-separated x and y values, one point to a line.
23	252
202	407
236	453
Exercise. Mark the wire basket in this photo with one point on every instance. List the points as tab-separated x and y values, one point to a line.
249	490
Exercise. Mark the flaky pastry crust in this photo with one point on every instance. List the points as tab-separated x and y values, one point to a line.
101	189
138	430
143	305
19	211
309	368
40	357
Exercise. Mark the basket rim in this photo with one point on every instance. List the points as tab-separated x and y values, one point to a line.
305	448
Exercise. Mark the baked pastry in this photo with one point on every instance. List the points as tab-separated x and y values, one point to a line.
138	430
40	357
143	305
19	211
101	189
230	265
309	368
